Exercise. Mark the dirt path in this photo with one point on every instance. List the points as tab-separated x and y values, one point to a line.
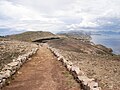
43	72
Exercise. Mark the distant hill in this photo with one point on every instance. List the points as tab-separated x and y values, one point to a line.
76	34
30	35
1	36
105	33
9	31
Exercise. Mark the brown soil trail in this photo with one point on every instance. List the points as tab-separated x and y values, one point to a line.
43	72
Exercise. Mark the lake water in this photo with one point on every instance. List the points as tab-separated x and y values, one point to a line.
111	41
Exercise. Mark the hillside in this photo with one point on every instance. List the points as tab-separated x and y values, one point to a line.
96	61
11	49
30	35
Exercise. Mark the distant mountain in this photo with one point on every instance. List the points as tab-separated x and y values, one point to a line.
8	31
80	32
105	33
30	35
1	36
77	34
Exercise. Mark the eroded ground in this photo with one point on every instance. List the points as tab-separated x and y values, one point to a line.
96	62
43	72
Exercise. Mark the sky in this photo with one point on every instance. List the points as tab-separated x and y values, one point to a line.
59	15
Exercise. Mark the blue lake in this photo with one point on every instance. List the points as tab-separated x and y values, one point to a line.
111	41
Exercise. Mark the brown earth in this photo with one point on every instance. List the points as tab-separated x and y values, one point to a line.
43	72
30	36
94	60
11	49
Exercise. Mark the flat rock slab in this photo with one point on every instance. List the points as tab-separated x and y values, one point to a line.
43	72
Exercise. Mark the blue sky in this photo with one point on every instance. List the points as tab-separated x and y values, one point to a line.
56	15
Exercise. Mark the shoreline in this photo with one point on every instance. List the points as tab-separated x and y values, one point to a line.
108	42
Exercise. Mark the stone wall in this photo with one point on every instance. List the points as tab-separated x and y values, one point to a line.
11	49
11	68
85	82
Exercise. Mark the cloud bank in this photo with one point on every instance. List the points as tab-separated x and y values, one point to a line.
56	15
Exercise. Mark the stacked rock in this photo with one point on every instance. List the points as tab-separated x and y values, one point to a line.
11	68
85	82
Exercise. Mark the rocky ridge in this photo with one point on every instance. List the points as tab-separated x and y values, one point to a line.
30	36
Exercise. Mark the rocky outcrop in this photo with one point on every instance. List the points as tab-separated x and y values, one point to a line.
108	50
85	82
45	39
12	67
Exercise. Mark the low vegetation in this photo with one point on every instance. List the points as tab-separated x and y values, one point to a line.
11	49
97	61
30	36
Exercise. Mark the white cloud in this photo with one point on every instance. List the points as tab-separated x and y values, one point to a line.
21	17
20	12
93	13
59	14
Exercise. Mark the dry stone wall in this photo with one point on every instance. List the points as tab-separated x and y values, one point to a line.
11	68
11	49
85	82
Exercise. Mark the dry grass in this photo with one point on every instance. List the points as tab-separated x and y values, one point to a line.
30	36
10	50
97	62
